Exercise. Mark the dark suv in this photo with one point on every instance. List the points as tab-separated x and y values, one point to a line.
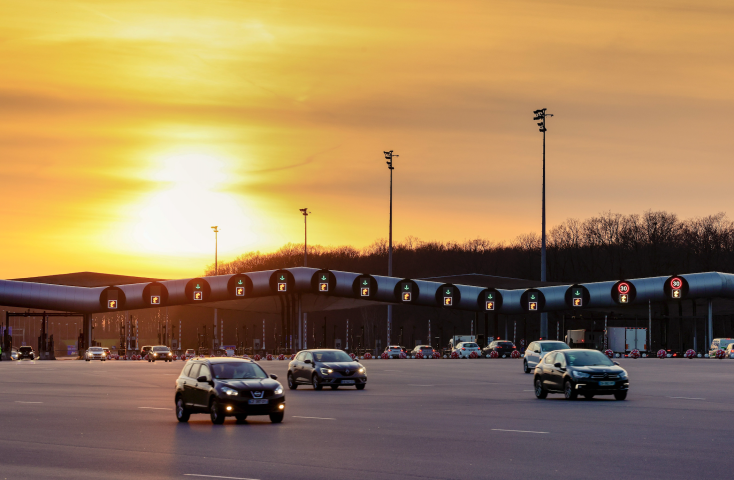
26	352
326	367
224	387
502	347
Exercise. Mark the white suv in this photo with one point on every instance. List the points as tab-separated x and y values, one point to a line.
393	351
464	349
537	350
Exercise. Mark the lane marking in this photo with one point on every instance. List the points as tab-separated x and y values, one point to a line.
317	418
156	408
518	431
528	390
18	401
689	398
216	476
414	385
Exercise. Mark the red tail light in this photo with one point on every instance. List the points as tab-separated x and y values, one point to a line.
514	346
463	348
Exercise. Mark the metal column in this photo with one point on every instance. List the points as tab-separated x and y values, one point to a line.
711	323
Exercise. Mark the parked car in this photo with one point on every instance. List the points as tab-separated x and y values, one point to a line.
320	367
160	352
464	349
719	344
502	347
426	350
107	352
145	350
224	387
190	353
26	352
579	371
14	353
393	351
95	353
537	350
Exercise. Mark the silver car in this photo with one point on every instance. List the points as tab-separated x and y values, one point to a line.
537	350
95	353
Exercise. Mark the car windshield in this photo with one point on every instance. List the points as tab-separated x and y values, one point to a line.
95	349
588	358
550	346
160	349
725	343
237	370
25	349
336	356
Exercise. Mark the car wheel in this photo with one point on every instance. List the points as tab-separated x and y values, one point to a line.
216	413
361	386
525	367
149	360
182	414
292	382
241	417
620	395
540	392
315	383
568	391
276	417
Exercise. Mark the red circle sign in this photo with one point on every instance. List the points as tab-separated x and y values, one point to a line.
623	287
676	283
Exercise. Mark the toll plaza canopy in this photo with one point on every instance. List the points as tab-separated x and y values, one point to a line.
318	289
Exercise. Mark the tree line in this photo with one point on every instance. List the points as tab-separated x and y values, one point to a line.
605	247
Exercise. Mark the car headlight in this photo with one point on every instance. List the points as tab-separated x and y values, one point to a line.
155	354
362	370
229	391
326	371
580	374
623	374
279	390
169	354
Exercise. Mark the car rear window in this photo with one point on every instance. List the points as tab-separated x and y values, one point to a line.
505	344
470	345
725	342
160	349
550	346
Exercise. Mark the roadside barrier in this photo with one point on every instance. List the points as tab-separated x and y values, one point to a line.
419	354
635	353
436	355
385	356
662	353
256	357
281	357
473	355
454	354
720	354
367	356
402	355
515	354
690	353
244	355
353	356
609	353
494	354
268	357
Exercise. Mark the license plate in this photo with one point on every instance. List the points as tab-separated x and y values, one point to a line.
347	381
258	401
606	384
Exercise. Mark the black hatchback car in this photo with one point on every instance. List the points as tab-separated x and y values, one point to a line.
502	347
26	352
224	387
326	367
578	371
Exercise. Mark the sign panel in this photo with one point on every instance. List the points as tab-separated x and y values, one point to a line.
112	304
533	306
490	305
155	299
198	295
239	291
323	287
624	298
282	287
407	291
365	291
577	297
448	301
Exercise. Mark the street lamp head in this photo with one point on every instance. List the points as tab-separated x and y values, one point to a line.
215	229
304	211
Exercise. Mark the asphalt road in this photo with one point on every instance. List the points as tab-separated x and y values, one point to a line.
416	419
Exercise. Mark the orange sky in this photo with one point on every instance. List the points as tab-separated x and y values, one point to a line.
128	128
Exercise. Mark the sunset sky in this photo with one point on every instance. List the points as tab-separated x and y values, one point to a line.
128	128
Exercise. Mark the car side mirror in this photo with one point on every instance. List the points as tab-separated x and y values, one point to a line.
616	363
557	364
202	379
307	361
273	376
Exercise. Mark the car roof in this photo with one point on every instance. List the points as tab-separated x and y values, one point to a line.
224	360
556	341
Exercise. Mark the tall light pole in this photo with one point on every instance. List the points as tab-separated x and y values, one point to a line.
541	116
305	213
389	156
216	266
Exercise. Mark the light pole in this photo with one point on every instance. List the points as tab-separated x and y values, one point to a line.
216	266
389	156
541	116
305	213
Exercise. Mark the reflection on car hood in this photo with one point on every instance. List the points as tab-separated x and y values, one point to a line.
599	369
253	384
339	365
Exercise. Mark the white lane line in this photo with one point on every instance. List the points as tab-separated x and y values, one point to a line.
18	401
528	390
317	418
414	385
518	431
156	408
216	476
689	398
